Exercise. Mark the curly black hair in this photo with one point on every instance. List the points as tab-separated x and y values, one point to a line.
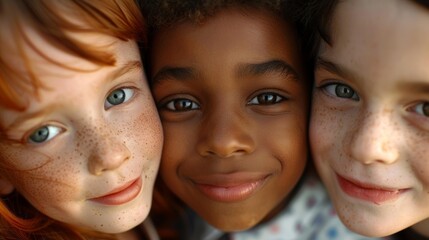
162	13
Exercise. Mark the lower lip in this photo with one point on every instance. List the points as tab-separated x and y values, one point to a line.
123	196
369	194
231	193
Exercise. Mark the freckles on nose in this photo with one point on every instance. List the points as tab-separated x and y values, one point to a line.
101	146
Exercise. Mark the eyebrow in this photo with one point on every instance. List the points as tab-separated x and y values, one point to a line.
125	68
335	68
33	115
409	86
415	87
167	72
271	66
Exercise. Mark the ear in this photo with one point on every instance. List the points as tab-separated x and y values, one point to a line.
6	187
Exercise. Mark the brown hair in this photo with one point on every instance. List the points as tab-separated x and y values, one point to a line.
52	20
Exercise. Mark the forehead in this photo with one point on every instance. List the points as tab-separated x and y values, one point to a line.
60	74
388	37
34	59
230	35
375	22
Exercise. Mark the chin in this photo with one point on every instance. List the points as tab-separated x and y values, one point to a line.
232	224
360	224
372	232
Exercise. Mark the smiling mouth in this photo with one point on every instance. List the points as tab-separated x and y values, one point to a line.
230	191
122	194
367	192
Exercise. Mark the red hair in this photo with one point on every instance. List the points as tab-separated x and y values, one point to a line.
118	18
52	20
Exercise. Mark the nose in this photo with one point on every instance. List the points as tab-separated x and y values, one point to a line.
373	139
225	134
108	154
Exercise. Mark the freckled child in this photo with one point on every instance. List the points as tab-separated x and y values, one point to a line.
370	120
80	137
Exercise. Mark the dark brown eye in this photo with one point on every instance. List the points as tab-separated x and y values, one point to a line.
266	99
181	105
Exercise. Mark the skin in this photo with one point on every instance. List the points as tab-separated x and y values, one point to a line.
94	147
376	135
234	114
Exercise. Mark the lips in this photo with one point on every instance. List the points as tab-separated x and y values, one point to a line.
121	195
368	192
230	187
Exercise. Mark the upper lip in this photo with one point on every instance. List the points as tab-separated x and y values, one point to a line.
229	179
118	189
370	185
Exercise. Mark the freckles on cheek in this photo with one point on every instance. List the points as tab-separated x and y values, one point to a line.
52	184
21	158
146	132
324	133
418	162
58	181
325	123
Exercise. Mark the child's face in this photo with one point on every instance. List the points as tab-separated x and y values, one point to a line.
87	150
370	120
233	102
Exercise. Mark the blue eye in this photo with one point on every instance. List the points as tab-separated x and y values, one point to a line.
118	96
181	104
422	109
266	99
341	91
44	134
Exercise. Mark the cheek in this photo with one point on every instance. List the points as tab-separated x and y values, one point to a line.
179	142
144	138
51	185
18	158
325	130
175	152
145	132
37	175
287	139
417	159
289	147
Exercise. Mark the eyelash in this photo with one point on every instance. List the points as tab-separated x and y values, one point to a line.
190	105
